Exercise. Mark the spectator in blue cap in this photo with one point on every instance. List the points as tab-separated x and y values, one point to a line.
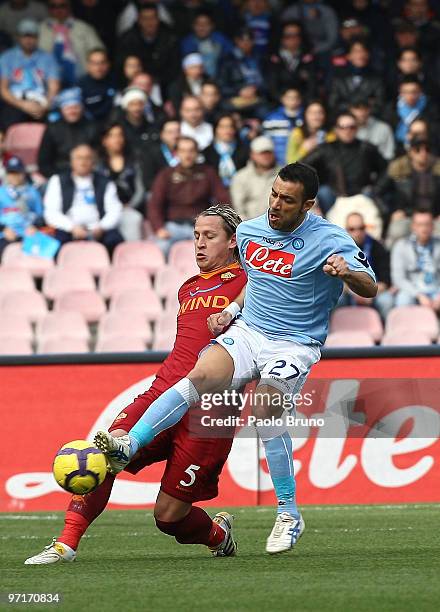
29	77
60	137
21	207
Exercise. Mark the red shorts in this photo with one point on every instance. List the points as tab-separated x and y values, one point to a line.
193	464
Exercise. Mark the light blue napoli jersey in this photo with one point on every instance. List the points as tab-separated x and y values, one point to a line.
288	296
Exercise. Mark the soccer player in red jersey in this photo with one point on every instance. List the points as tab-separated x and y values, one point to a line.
193	464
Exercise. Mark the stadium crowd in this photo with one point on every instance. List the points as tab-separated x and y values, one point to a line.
152	111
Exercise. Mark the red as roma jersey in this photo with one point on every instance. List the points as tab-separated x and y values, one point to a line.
199	297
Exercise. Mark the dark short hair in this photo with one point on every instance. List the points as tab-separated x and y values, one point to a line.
203	12
212	83
164	122
287	88
302	173
97	50
344	113
225	116
189	139
358	41
421	211
148	6
410	78
292	23
409	50
359	101
243	32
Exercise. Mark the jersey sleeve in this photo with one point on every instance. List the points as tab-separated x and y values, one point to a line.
243	239
342	244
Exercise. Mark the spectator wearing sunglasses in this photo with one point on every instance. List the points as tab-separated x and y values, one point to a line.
413	181
347	166
379	259
292	65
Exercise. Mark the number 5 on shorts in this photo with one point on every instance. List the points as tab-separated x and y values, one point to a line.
190	470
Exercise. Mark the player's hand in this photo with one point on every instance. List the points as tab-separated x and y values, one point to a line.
336	266
218	321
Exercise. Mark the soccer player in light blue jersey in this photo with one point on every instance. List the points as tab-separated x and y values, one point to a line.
296	263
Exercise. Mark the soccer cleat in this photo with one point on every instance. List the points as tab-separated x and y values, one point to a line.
55	552
285	533
228	548
117	450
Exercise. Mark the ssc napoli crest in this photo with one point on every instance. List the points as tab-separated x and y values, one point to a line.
298	244
228	340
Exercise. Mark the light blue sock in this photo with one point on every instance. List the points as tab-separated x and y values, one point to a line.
280	463
163	413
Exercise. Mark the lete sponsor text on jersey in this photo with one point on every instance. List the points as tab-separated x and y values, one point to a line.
279	263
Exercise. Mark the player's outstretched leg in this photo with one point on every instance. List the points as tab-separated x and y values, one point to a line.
192	525
213	372
82	511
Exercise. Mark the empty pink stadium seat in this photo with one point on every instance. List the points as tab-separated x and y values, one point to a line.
182	257
172	305
165	331
349	339
134	300
15	279
168	281
63	345
62	324
411	337
357	318
146	255
14	325
23	139
119	344
89	303
84	254
167	322
59	280
15	346
30	304
13	257
117	280
163	340
405	318
118	323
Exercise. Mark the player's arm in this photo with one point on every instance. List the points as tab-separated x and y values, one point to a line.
359	282
219	320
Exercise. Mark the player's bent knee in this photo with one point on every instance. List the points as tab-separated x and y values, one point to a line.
168	527
169	509
268	402
213	372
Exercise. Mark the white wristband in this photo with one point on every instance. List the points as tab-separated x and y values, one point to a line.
233	309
